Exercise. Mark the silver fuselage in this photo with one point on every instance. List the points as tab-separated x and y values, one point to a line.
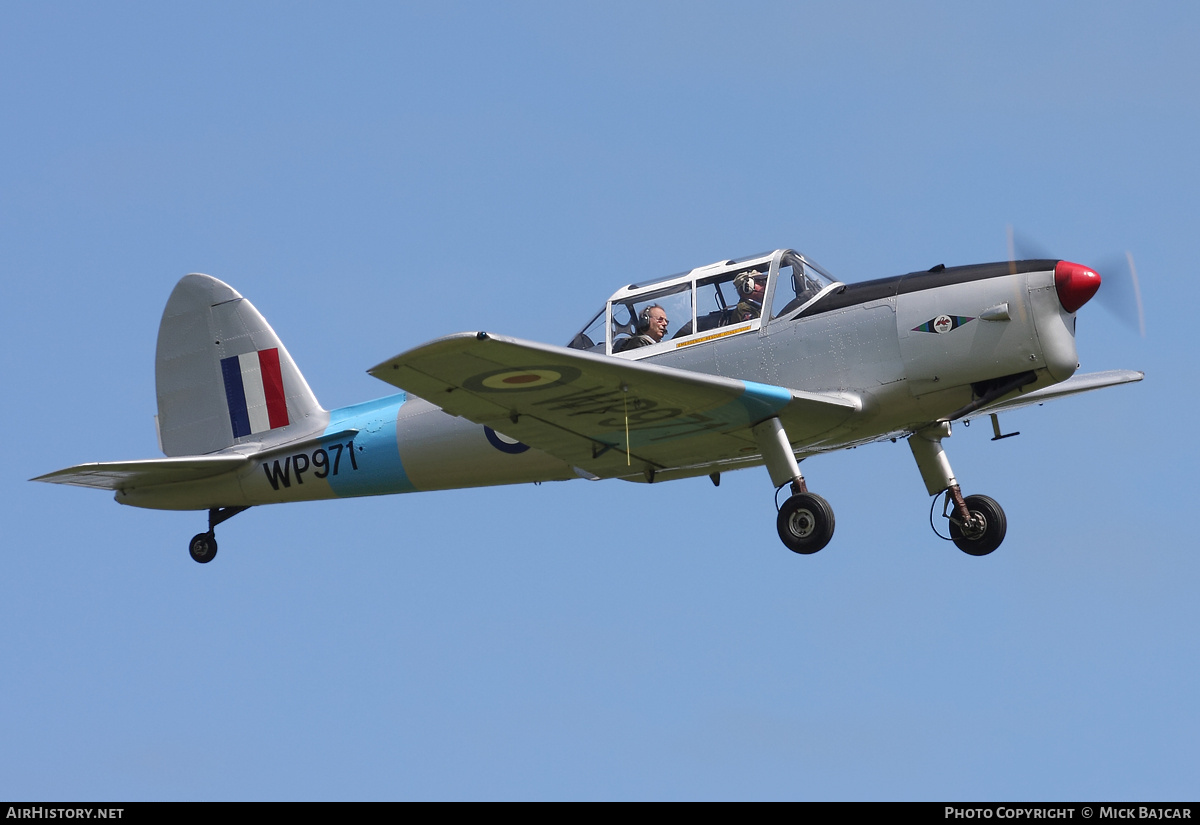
909	349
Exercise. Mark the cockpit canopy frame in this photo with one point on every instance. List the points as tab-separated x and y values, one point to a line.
709	303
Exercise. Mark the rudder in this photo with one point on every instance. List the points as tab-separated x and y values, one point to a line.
223	376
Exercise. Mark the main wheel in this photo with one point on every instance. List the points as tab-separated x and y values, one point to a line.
986	537
805	523
203	547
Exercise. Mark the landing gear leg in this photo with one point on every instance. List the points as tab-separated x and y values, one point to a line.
805	522
203	546
977	524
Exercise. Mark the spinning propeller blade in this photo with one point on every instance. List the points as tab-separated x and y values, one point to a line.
1120	292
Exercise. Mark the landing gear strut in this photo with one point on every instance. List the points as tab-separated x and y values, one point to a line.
977	524
203	546
805	521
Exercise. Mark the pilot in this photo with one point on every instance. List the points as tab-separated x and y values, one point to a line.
652	326
751	286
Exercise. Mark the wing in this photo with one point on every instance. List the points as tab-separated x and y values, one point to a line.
606	415
119	475
1072	386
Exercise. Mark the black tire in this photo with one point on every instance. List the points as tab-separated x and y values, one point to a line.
994	527
805	523
203	547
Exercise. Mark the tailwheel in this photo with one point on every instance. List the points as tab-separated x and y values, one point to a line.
986	530
203	547
805	523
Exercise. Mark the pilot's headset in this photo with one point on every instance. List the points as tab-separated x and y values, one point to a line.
643	322
744	282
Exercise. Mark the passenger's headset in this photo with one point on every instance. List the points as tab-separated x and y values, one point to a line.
745	282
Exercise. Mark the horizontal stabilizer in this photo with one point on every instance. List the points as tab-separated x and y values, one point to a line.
122	475
607	415
1072	386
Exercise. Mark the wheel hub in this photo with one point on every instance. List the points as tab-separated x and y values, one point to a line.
802	523
976	527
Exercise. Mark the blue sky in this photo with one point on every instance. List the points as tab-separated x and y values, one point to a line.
375	175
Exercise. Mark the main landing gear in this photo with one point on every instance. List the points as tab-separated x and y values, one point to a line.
805	521
977	523
203	546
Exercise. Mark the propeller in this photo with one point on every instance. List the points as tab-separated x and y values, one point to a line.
1120	293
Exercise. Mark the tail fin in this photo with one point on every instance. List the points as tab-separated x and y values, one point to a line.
223	375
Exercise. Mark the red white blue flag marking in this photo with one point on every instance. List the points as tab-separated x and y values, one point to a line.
254	391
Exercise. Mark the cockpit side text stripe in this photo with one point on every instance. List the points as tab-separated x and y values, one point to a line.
723	333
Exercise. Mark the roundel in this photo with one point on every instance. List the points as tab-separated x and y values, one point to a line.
943	323
516	379
521	379
503	443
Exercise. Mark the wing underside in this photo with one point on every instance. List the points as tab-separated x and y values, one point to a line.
1072	386
605	415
